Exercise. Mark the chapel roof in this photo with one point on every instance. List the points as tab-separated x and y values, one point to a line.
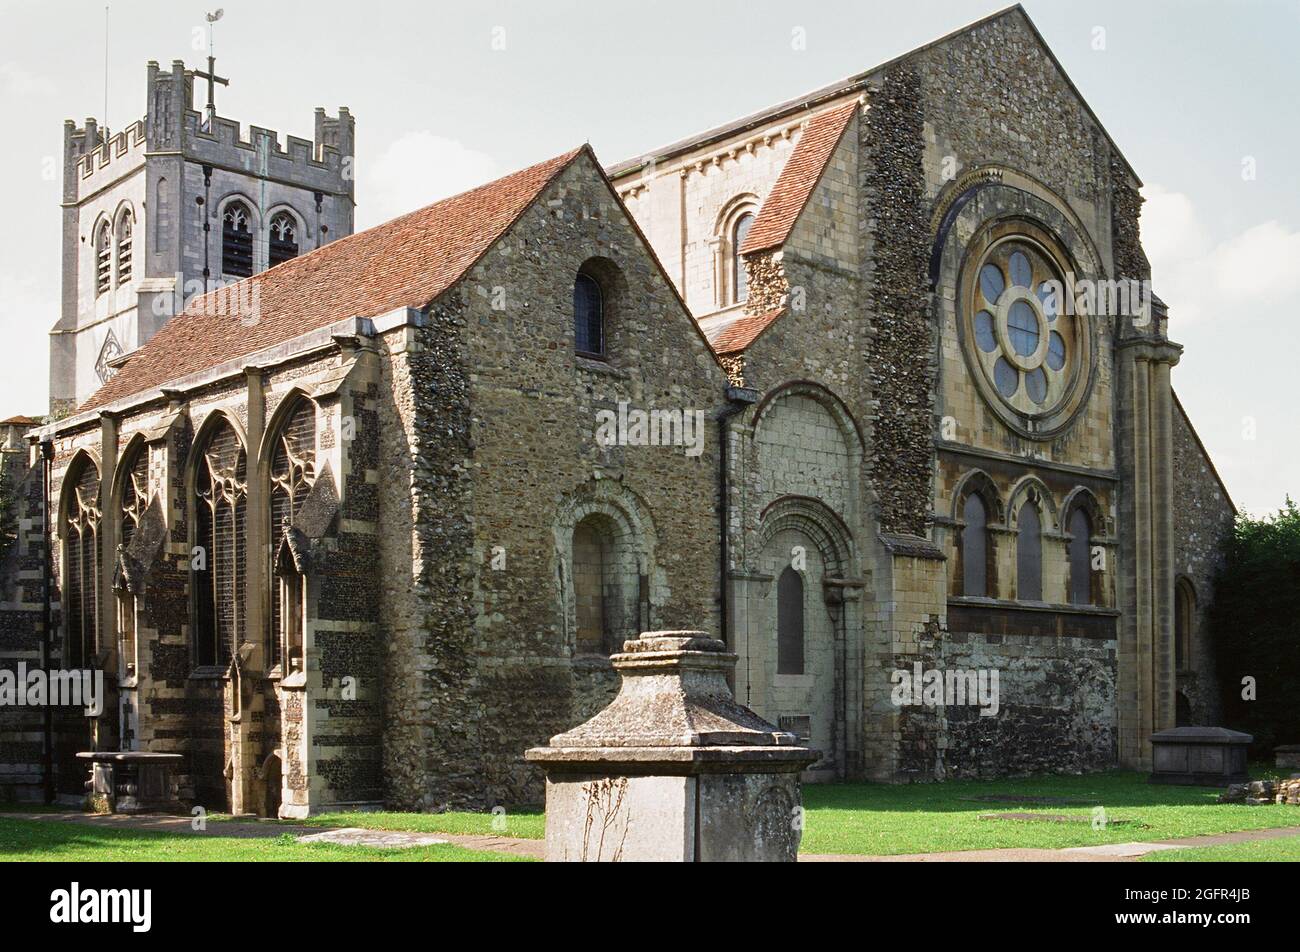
798	179
734	333
406	262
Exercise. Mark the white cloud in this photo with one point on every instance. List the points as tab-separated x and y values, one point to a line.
415	170
1247	275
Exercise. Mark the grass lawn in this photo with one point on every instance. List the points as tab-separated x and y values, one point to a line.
924	818
1262	851
40	840
888	819
880	819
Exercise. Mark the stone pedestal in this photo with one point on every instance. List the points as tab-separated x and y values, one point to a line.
1199	756
674	769
131	782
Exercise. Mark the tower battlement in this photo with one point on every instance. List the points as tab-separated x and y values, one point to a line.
177	200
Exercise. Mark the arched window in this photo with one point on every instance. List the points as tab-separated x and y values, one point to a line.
974	547
588	316
125	235
1184	613
1029	554
293	471
739	279
218	567
237	241
595	586
81	565
103	258
1080	553
789	622
284	239
135	500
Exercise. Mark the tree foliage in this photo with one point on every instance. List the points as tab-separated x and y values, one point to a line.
1255	622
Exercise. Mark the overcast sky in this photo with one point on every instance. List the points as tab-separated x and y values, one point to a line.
451	94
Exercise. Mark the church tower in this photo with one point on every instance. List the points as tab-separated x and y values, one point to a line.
177	203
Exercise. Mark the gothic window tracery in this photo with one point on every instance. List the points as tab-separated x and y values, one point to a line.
220	537
81	566
135	499
237	240
293	473
284	239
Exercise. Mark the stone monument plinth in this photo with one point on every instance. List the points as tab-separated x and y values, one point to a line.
673	769
131	781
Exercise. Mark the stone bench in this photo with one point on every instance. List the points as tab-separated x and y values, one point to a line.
132	781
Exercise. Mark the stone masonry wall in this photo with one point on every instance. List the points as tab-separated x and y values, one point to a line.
1203	518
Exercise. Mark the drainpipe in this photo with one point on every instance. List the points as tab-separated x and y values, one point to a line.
739	399
47	727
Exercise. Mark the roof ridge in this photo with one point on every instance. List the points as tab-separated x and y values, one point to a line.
407	261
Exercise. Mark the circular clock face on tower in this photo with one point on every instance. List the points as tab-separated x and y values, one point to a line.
1030	352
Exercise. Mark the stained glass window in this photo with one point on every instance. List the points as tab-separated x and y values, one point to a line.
588	316
218	568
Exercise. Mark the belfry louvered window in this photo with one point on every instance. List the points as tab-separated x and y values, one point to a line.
221	509
81	566
284	239
293	472
103	258
236	241
125	239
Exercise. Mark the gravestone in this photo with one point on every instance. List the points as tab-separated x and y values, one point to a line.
673	769
1199	756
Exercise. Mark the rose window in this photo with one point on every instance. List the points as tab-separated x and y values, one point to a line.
1022	340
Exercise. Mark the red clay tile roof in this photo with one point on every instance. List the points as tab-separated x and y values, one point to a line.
743	331
406	262
20	421
798	180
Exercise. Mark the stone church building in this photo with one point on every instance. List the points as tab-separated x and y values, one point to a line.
364	523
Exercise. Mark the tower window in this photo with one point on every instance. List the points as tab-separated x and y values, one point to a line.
1029	554
284	239
588	316
789	623
739	279
974	547
236	241
103	258
125	230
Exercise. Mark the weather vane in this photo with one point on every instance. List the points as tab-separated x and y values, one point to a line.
211	76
